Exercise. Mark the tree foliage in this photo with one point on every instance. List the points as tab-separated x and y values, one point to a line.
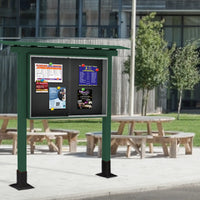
184	71
152	57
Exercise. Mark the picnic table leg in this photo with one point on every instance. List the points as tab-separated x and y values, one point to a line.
45	125
90	145
31	126
165	149
121	128
59	142
160	129
32	145
4	125
72	139
173	148
128	151
149	131
134	143
131	128
52	146
46	129
99	147
188	145
162	133
143	147
14	150
119	132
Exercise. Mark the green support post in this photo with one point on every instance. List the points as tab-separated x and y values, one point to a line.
21	124
106	127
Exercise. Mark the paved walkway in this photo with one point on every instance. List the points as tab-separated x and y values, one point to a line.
72	176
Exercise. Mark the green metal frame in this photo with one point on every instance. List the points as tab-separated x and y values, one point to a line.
24	50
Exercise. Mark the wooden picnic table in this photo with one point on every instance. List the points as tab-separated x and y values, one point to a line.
7	117
142	119
138	138
132	120
35	135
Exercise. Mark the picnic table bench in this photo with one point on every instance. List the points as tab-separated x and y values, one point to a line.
137	142
70	135
173	139
33	137
55	134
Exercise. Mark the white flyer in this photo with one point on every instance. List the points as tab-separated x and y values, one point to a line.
49	72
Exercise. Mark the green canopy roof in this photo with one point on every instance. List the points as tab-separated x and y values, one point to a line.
60	45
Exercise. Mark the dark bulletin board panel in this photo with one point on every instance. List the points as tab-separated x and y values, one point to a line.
82	97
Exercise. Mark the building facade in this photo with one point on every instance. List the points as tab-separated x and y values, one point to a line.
100	22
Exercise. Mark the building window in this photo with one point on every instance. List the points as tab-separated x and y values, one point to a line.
192	20
85	18
48	12
172	35
172	29
109	18
172	20
48	21
190	34
191	29
27	18
68	32
90	18
68	18
9	18
91	11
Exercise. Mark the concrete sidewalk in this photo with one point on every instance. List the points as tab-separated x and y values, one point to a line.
72	176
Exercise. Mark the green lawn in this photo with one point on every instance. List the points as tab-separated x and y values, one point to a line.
187	123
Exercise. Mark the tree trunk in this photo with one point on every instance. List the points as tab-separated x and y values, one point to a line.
179	104
146	102
145	96
143	102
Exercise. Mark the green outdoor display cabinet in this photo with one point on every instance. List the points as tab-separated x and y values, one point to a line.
62	81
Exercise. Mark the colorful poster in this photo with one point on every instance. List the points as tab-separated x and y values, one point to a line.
49	72
84	99
88	75
57	98
41	86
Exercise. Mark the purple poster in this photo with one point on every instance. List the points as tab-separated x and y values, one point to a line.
88	75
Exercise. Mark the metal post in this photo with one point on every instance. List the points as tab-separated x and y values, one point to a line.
106	126
21	124
80	18
119	18
132	67
58	20
37	18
